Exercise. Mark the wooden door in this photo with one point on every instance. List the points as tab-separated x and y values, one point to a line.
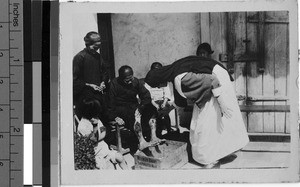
106	49
255	48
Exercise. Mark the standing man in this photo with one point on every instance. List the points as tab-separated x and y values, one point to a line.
90	76
124	102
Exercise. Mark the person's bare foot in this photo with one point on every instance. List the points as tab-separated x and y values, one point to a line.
143	145
152	124
137	116
138	130
154	139
213	165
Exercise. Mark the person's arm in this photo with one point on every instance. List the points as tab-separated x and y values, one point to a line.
155	104
171	96
217	92
167	95
144	95
112	105
104	74
95	133
78	83
152	98
101	130
179	101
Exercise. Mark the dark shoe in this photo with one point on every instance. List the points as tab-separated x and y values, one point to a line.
228	159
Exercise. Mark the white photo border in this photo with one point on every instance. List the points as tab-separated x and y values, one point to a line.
70	176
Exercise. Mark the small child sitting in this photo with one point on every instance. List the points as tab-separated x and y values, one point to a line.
162	99
91	126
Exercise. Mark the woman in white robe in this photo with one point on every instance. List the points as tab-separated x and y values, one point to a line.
217	128
212	134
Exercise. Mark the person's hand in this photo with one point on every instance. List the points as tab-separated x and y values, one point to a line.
95	87
226	111
156	106
93	137
119	120
171	103
102	86
94	121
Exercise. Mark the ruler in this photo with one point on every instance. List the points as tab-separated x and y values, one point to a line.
11	93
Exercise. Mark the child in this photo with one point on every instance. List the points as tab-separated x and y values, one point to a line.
91	126
162	99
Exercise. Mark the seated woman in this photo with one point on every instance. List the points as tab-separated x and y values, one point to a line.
91	126
162	99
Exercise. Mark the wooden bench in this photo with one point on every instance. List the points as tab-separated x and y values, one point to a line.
255	108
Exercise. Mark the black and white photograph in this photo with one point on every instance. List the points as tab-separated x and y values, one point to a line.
164	93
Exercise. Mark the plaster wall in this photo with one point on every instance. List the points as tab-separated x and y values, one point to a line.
82	24
141	39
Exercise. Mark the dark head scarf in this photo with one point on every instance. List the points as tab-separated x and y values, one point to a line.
195	64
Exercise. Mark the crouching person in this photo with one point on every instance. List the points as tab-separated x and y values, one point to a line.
91	126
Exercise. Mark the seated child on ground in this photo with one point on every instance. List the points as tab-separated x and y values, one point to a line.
90	125
162	100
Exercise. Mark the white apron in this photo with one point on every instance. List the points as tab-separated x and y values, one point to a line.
212	136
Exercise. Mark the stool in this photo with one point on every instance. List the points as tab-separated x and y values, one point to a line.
118	147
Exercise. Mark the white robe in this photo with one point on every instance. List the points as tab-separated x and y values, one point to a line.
212	136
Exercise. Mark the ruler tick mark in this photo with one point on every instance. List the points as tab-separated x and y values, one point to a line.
16	65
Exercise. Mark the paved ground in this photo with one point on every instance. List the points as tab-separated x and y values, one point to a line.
254	155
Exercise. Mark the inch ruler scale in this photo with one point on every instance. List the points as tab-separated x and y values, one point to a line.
11	93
